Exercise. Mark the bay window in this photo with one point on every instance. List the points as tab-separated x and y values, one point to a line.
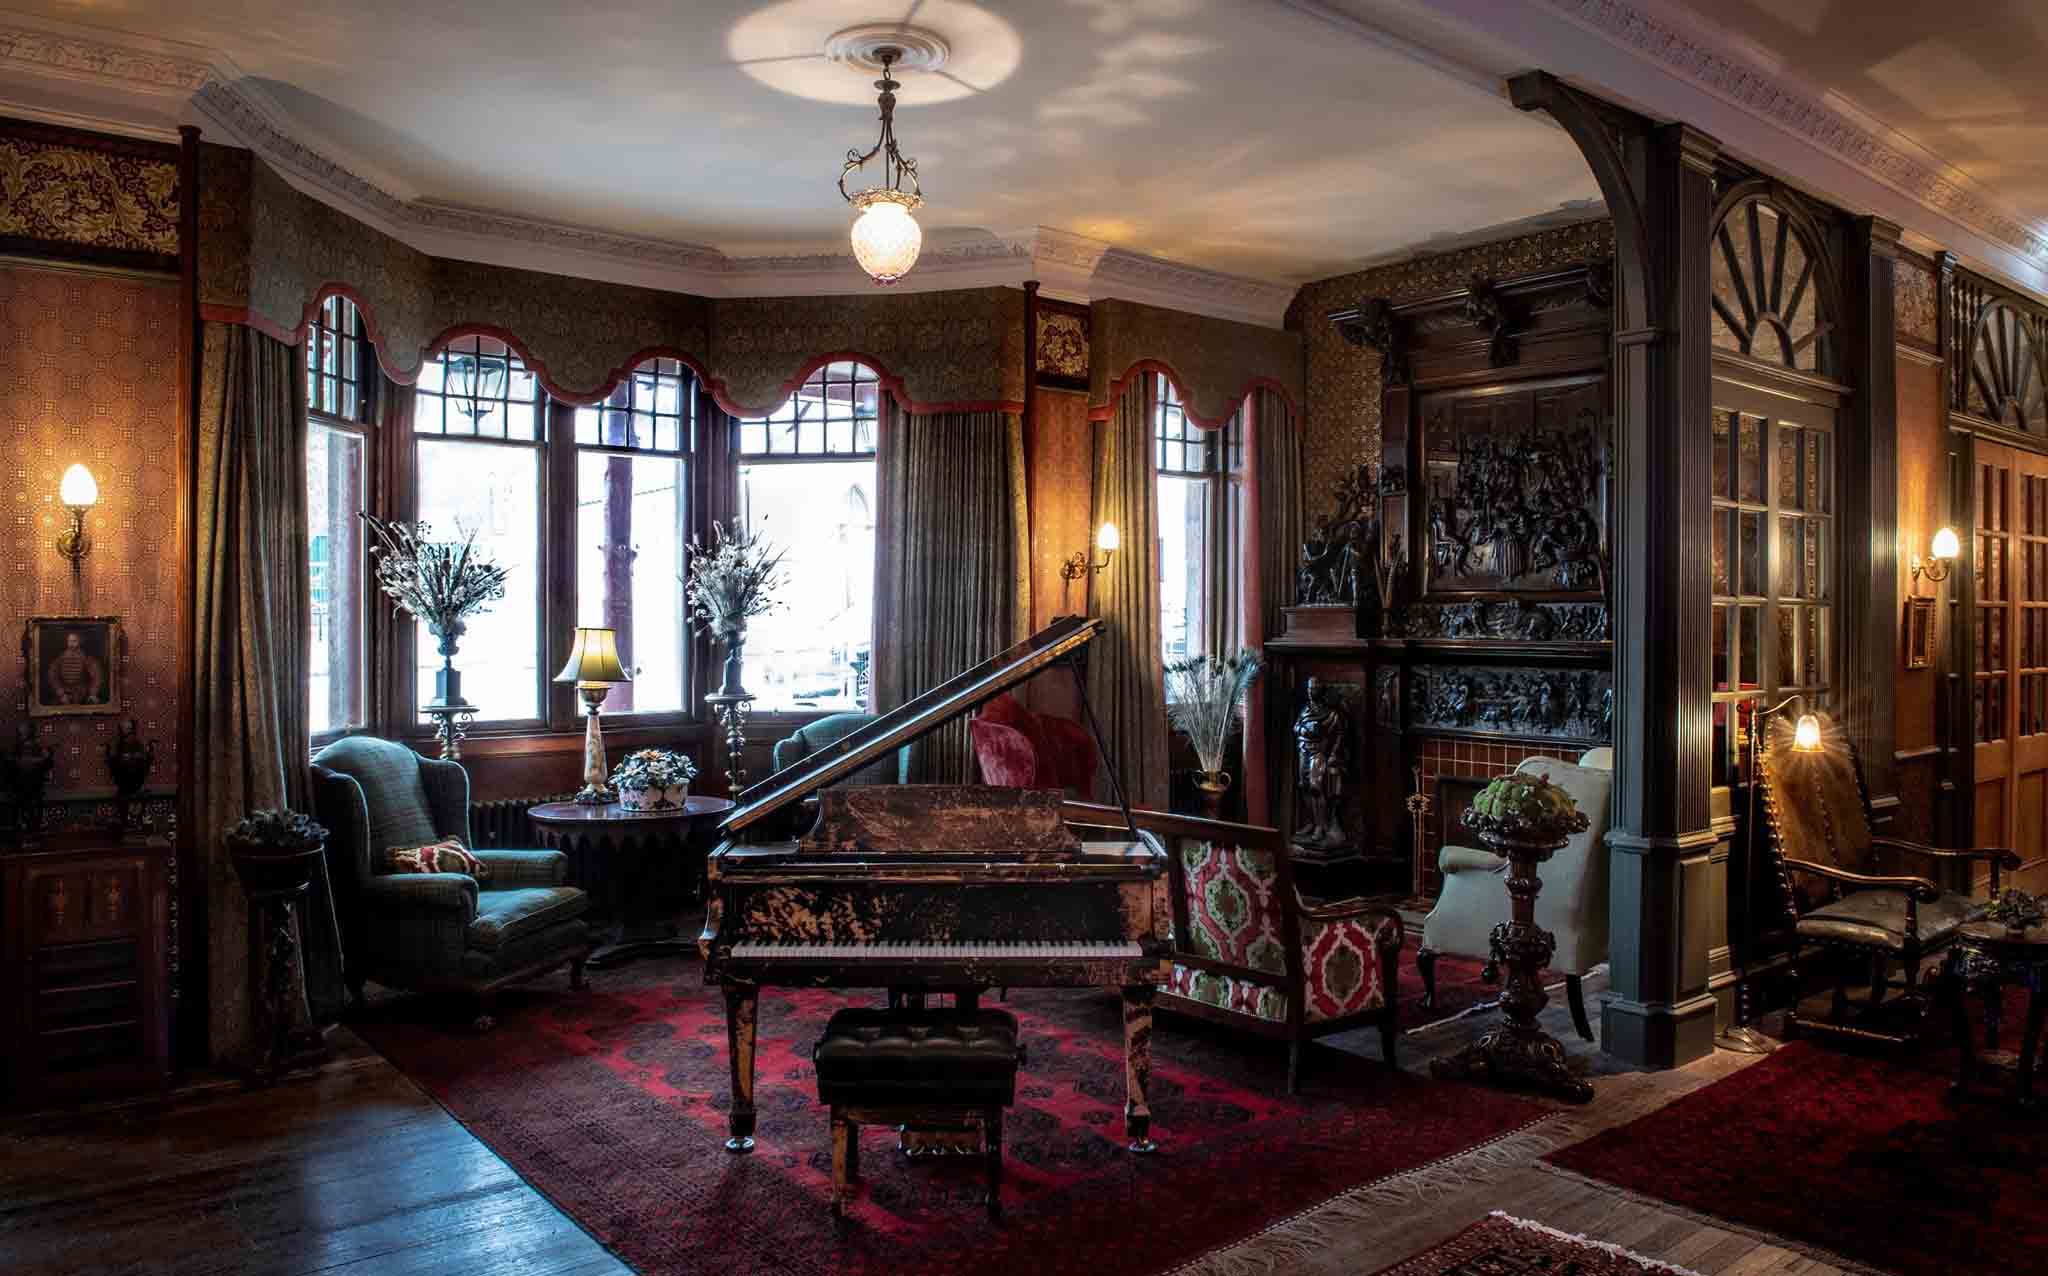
632	521
807	482
1198	475
479	427
337	491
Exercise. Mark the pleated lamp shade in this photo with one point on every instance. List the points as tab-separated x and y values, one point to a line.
594	661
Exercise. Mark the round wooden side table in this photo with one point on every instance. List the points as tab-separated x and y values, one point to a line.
1987	956
640	868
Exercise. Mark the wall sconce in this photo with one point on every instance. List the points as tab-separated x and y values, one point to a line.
1944	552
79	493
1080	566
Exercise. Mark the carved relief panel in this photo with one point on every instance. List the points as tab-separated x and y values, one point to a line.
1517	489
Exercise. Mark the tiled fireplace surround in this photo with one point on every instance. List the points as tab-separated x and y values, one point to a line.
1480	760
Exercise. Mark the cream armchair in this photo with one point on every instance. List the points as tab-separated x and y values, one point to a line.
1573	905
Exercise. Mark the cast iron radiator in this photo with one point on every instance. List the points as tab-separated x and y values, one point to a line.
502	822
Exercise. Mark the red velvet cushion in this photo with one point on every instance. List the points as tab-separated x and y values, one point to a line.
1063	751
1005	711
1005	754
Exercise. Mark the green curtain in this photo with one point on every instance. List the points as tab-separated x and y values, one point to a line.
1126	678
952	571
252	647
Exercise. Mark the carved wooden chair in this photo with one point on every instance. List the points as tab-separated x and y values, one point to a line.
1816	812
1249	952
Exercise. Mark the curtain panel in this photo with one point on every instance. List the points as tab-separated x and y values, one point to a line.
251	614
1276	525
1126	676
952	571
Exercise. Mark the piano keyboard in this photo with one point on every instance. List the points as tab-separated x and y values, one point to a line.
989	950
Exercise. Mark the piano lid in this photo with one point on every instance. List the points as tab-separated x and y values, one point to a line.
911	721
1025	825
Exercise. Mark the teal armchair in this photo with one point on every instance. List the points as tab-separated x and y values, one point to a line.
435	931
831	729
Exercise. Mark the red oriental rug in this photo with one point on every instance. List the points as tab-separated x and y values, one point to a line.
1459	986
1865	1157
612	1102
1503	1245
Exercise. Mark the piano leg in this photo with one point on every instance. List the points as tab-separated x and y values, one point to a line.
741	1003
1138	1066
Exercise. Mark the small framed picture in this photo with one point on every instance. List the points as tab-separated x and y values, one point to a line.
74	665
1919	632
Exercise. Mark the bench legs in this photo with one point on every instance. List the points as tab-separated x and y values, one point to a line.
846	1123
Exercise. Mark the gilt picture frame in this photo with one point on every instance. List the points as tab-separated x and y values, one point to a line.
74	665
1919	637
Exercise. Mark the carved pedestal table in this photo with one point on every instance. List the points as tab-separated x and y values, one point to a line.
1987	956
1518	1052
640	868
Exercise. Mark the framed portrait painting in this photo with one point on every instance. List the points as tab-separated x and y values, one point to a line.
74	665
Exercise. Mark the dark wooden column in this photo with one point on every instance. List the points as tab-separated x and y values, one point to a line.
1665	916
1869	466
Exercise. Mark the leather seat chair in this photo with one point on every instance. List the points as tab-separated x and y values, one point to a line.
435	931
1573	905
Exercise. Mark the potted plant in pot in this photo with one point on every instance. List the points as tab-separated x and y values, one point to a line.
654	780
1202	698
277	856
728	583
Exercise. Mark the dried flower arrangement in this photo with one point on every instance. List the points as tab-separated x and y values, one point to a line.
442	583
731	581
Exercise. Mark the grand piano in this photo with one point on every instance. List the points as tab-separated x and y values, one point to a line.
939	888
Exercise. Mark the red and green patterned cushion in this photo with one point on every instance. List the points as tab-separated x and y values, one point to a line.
1234	917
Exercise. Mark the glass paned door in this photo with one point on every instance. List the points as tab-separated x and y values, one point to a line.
2009	648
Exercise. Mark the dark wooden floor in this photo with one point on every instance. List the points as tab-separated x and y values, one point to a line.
354	1170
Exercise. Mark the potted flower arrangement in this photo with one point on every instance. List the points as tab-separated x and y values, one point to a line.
275	850
654	780
1524	810
728	583
1202	696
441	583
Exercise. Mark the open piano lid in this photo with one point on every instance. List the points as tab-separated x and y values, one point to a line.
911	721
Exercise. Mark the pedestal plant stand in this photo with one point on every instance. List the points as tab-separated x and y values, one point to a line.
1525	820
277	856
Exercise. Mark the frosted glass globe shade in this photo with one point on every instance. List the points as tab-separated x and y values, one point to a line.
1945	543
886	238
77	488
1108	539
1806	735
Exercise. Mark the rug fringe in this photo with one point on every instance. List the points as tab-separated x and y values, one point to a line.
1643	1261
1814	1252
1285	1244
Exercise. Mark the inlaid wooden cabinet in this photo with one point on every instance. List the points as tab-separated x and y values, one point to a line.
86	925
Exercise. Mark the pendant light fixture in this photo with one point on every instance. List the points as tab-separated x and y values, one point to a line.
886	238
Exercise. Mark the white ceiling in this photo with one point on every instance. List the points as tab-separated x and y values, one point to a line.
1244	136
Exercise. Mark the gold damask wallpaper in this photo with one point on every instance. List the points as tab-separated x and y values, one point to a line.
108	199
1342	428
88	370
1215	362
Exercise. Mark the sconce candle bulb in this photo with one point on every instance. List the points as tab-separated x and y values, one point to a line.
1946	549
79	493
1806	734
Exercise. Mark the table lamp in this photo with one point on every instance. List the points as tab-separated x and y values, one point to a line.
595	669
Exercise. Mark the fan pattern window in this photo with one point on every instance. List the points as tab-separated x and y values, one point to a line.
2005	377
1766	290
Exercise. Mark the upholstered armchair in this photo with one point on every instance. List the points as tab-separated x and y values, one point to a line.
1573	905
435	931
1018	749
830	730
1837	887
1250	953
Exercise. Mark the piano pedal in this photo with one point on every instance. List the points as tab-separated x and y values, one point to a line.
926	1144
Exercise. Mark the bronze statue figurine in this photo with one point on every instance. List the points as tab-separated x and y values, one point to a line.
1320	736
27	774
129	759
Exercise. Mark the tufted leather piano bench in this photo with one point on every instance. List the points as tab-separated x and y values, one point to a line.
922	1070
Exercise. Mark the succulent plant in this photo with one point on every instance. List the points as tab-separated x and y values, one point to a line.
1525	807
278	832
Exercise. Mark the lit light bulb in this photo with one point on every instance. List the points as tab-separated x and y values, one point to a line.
77	488
1806	735
1108	539
1946	546
886	238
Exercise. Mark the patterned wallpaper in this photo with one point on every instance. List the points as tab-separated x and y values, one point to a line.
1343	418
88	373
959	347
102	199
1916	302
1215	361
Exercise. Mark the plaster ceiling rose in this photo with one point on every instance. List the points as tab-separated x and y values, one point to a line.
806	47
911	48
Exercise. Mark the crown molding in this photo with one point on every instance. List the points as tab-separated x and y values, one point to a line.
140	82
1673	42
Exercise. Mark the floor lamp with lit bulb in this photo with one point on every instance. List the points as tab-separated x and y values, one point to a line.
1805	739
594	667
